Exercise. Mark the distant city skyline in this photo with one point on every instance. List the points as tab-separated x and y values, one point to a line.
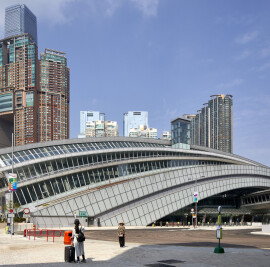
165	57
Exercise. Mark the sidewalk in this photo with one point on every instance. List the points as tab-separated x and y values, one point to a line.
19	251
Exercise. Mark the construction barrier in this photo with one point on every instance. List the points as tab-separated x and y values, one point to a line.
42	233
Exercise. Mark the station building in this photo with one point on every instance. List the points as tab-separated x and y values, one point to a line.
134	180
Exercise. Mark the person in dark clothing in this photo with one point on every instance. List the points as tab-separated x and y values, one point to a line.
121	234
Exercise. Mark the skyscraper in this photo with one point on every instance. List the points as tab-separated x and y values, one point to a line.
221	122
19	20
86	116
53	110
18	89
34	95
212	126
133	119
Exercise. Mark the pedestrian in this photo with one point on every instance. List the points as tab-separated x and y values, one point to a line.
121	234
78	240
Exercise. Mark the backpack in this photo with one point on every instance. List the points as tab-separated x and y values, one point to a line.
81	237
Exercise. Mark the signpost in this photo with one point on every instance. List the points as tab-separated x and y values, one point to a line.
26	214
219	249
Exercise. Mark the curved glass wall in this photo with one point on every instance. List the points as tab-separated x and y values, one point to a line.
69	163
41	152
66	183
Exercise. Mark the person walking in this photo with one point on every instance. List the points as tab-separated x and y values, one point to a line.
78	240
121	234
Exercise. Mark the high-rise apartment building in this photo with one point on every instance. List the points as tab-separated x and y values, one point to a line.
111	128
221	122
212	126
18	89
166	135
133	119
143	132
101	129
86	116
34	95
53	112
19	20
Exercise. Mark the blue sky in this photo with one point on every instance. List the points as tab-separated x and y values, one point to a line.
164	56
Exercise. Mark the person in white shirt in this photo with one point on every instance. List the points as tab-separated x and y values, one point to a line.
79	245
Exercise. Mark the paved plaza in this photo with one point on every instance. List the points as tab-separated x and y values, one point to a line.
20	251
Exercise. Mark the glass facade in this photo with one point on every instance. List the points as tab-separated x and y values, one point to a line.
62	169
180	129
19	20
6	102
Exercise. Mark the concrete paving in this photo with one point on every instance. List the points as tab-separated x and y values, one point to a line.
20	251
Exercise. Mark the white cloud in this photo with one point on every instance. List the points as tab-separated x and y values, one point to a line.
261	68
55	11
231	84
147	7
246	38
244	55
265	52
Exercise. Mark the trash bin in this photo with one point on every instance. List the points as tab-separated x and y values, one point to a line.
67	237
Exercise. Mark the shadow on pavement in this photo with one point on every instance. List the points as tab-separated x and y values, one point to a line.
169	255
207	244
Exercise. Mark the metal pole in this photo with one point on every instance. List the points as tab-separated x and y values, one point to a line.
196	190
12	218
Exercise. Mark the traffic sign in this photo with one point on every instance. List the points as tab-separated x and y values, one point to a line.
11	211
26	215
11	215
83	214
26	210
194	216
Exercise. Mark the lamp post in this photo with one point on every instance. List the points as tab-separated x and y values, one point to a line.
196	207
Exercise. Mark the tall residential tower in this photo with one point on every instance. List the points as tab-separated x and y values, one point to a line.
212	126
53	111
34	95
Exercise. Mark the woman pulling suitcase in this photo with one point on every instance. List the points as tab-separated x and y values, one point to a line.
78	240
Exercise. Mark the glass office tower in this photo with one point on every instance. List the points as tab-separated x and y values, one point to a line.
19	20
180	129
133	119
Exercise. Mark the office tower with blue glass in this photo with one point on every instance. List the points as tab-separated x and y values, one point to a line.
134	119
19	20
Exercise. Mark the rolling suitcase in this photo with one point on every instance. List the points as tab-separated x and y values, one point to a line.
69	254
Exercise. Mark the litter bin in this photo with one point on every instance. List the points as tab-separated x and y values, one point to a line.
67	237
